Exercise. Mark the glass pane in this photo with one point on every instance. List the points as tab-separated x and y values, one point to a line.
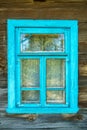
55	73
30	73
30	96
42	42
54	96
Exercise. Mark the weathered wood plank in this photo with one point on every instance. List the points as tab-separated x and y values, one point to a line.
83	96
3	84
82	57
83	67
45	129
47	3
53	10
83	35
82	26
82	83
57	13
36	129
52	121
3	65
82	47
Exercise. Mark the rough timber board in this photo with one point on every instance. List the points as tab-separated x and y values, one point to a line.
48	13
57	9
44	121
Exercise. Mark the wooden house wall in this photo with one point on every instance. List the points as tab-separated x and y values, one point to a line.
50	9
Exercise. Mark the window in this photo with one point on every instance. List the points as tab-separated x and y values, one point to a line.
42	66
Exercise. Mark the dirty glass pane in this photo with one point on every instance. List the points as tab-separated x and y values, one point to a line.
30	73
42	42
30	96
55	96
55	73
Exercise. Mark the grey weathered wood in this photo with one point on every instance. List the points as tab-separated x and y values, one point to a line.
44	121
51	9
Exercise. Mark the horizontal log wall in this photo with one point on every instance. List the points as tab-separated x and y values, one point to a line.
51	9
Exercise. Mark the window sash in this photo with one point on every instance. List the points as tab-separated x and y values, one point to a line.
42	87
42	56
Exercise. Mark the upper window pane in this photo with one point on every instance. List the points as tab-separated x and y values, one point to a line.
55	73
30	73
42	42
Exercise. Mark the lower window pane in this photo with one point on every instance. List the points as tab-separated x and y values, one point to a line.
30	96
54	96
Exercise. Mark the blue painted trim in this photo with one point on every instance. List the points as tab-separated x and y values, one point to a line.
42	23
56	88
41	30
28	57
25	88
74	63
67	65
57	57
43	81
25	105
43	110
15	27
43	53
59	105
18	69
11	65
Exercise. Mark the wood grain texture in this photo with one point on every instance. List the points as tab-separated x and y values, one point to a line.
47	3
47	13
48	122
51	9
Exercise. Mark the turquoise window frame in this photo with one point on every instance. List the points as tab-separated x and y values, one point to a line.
70	30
